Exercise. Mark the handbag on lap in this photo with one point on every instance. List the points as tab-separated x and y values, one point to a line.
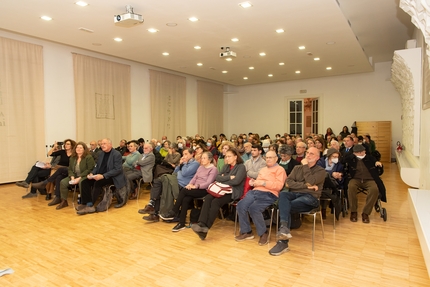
218	189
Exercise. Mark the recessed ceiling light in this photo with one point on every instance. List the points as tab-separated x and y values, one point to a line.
245	78
251	68
262	54
118	39
245	4
85	30
331	43
297	72
270	75
228	59
235	40
199	64
281	64
171	24
81	3
152	30
328	68
316	59
224	72
46	18
197	47
166	54
193	19
280	31
302	47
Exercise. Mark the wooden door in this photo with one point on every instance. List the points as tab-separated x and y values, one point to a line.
380	132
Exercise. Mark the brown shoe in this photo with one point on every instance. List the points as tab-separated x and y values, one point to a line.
62	204
244	236
133	196
55	201
86	210
149	209
152	218
264	239
365	218
353	217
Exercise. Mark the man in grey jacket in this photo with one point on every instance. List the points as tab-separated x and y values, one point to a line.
305	183
255	163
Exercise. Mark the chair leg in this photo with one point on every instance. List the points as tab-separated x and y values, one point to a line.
313	231
322	224
74	197
235	222
271	222
334	218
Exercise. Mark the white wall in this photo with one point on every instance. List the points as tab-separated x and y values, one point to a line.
344	99
60	109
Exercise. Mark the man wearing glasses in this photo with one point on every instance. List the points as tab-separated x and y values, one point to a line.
269	182
300	152
305	183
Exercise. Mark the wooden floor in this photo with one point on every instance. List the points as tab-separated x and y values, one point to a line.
49	247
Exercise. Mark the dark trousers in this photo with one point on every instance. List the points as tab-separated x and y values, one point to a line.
210	208
184	199
56	178
35	174
91	189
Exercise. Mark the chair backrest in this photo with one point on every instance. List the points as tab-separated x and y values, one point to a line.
246	187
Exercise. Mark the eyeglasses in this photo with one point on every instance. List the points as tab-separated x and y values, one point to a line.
271	157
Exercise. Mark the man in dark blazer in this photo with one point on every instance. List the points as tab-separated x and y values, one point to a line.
108	171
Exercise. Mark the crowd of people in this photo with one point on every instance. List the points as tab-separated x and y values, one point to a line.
252	171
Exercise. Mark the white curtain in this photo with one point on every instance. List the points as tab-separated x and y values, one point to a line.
22	115
210	103
102	92
168	93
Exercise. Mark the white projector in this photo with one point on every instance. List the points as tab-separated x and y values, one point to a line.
127	20
227	54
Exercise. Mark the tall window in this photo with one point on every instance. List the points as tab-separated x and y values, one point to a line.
296	117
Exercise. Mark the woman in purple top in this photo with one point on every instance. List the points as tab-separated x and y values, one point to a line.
204	176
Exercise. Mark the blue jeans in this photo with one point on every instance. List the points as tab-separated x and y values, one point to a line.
295	202
254	203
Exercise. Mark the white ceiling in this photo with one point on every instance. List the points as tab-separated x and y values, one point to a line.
379	25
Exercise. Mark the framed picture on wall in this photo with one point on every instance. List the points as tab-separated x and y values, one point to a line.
426	84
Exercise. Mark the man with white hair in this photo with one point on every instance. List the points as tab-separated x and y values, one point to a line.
108	171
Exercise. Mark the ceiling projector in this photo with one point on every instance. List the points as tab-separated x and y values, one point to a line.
227	53
128	19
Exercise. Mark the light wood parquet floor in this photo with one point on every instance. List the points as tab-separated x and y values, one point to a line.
49	247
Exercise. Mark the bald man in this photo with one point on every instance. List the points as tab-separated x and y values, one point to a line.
305	183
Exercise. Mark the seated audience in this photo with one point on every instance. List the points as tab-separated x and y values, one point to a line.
131	159
321	145
80	165
255	163
286	160
212	148
300	152
239	145
304	183
199	149
363	174
224	148
328	134
234	174
184	172
345	132
247	151
94	150
165	149
196	188
270	180
108	171
334	180
55	178
142	167
35	174
122	148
